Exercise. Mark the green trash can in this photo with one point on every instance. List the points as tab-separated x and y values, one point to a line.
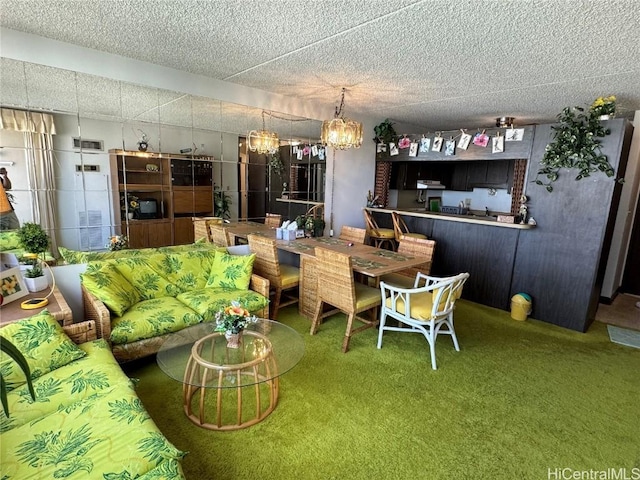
520	306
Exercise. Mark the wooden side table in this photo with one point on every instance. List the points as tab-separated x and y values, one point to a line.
57	307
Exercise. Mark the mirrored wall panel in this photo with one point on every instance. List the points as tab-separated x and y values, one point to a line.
90	157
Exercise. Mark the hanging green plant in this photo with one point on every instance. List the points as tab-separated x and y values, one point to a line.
275	163
385	133
575	145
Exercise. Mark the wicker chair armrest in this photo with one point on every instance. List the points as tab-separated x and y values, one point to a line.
260	285
81	332
95	310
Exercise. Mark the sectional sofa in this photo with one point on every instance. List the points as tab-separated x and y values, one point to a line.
139	300
86	420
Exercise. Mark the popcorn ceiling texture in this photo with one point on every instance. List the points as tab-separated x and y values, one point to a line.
432	64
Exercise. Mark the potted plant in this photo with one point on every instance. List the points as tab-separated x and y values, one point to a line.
221	204
36	242
576	144
12	351
385	133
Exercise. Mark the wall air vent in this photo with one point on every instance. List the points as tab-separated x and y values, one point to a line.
94	145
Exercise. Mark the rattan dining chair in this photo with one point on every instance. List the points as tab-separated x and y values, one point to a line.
353	234
338	289
400	228
427	310
201	226
379	236
412	246
273	220
219	235
283	279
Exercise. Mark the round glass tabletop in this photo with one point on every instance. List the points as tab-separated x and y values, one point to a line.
277	346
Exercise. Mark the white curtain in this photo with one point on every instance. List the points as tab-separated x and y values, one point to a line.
24	121
38	129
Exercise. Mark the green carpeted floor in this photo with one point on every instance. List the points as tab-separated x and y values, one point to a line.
520	398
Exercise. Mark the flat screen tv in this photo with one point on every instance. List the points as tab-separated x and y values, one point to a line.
148	209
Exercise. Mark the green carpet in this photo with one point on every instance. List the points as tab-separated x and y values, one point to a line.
520	398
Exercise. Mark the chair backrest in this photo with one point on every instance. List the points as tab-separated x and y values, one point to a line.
201	226
420	247
218	235
266	263
317	211
399	225
273	220
445	291
371	224
335	279
353	234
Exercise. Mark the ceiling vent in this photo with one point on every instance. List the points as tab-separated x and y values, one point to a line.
94	145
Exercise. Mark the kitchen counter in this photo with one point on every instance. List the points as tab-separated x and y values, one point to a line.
477	220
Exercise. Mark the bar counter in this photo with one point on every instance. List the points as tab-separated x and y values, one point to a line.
422	213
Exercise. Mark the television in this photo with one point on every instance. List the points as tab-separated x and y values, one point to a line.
147	209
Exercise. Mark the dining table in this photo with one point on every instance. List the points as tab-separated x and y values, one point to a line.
371	263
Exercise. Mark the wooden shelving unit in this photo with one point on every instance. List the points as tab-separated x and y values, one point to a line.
181	186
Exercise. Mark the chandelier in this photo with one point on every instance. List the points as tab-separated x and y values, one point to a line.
263	141
341	132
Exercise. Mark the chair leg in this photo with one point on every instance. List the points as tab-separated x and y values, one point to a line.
383	317
276	304
316	318
431	340
347	335
453	332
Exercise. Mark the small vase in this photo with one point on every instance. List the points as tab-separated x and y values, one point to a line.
130	215
605	117
233	339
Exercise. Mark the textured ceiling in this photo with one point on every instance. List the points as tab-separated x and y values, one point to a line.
435	65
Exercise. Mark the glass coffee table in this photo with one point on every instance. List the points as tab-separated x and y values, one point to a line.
226	388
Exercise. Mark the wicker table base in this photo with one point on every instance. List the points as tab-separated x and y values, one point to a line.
229	383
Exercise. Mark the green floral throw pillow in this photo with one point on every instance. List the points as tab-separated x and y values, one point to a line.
106	283
42	342
9	240
231	271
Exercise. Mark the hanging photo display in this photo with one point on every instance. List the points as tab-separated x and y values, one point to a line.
404	142
314	150
306	150
425	143
393	149
294	150
464	141
298	153
514	134
381	147
481	139
413	149
437	143
321	151
450	147
497	144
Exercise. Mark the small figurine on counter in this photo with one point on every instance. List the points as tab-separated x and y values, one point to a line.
522	213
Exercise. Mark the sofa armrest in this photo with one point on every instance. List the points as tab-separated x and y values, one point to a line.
81	332
260	285
95	310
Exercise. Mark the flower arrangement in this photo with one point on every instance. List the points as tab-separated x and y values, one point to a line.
234	318
118	242
129	203
604	106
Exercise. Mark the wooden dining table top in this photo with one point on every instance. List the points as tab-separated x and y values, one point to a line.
366	259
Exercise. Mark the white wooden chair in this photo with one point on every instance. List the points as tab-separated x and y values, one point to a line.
427	310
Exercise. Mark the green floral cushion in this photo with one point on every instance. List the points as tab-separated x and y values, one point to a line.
208	301
186	270
94	376
9	240
106	437
167	470
231	271
141	272
43	343
151	318
110	286
74	256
